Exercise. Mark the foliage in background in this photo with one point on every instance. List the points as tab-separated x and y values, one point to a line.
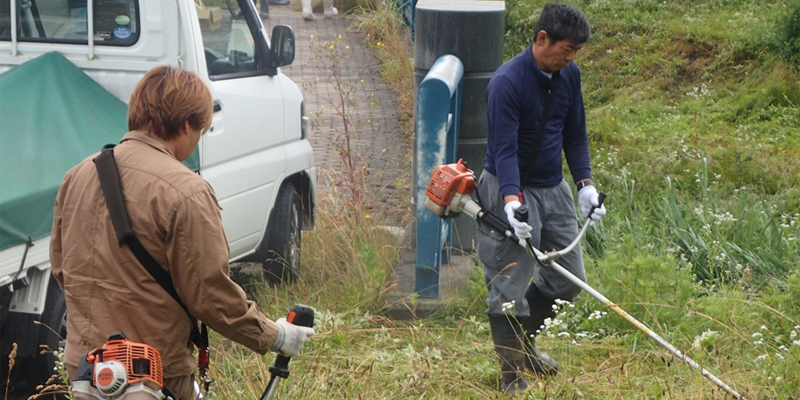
693	118
693	121
789	31
387	34
331	56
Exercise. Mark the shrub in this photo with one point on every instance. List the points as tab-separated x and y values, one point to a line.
789	29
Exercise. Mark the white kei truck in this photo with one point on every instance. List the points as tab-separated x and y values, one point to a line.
67	70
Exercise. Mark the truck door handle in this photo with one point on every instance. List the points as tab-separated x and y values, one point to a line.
217	106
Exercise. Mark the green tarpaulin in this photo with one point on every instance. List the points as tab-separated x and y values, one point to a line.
52	116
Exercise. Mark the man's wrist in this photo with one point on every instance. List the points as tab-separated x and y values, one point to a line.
278	343
509	198
584	183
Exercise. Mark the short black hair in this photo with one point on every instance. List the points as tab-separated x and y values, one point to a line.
563	21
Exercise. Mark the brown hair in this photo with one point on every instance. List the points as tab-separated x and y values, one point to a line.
165	98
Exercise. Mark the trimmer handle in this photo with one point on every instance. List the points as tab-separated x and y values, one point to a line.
601	197
521	213
300	315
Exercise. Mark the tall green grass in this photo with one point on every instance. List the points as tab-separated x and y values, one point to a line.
692	112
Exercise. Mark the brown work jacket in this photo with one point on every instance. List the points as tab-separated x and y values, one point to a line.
176	217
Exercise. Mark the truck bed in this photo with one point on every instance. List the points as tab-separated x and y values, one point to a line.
52	116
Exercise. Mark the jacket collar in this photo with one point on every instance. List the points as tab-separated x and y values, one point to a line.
148	139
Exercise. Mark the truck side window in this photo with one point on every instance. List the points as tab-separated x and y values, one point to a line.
227	39
116	22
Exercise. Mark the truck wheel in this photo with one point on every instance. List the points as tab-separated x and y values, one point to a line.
55	317
29	372
284	234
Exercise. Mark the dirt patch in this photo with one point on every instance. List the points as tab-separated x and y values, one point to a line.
684	65
697	56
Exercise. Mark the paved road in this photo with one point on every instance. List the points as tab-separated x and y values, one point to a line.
378	139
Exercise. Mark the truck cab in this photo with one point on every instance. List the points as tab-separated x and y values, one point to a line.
255	156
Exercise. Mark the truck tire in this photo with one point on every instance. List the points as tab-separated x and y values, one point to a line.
55	317
29	372
284	237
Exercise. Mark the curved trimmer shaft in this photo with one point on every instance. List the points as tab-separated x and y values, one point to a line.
464	203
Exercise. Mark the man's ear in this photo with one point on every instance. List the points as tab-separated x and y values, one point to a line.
186	127
542	38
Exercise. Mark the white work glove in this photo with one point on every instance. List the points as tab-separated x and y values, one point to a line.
588	198
521	229
291	338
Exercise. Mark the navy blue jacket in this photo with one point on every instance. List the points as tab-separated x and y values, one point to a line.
516	98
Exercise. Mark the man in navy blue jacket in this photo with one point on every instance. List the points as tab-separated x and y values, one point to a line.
517	96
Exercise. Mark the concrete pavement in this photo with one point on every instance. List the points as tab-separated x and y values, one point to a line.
378	139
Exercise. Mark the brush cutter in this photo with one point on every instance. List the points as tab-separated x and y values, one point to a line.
449	193
121	369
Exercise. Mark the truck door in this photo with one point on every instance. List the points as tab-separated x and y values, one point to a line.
242	156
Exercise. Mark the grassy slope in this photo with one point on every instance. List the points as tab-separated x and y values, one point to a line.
689	246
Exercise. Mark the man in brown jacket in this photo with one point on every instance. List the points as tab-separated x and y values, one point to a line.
175	216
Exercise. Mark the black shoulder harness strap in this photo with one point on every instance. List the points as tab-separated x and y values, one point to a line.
112	190
540	134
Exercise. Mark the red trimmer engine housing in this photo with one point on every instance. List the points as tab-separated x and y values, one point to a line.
120	369
448	182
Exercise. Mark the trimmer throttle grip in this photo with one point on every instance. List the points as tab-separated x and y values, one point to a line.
601	197
300	315
521	213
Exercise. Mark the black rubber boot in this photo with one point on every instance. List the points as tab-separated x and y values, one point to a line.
541	309
264	13
510	351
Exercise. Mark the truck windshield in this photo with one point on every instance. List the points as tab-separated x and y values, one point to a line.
116	22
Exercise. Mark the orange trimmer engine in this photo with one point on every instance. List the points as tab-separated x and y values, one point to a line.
121	365
448	184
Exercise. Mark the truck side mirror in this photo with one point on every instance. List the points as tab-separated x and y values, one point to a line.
281	46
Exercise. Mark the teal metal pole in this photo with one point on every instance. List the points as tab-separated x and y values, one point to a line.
438	104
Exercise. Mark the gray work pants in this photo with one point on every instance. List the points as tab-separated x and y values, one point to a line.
507	269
